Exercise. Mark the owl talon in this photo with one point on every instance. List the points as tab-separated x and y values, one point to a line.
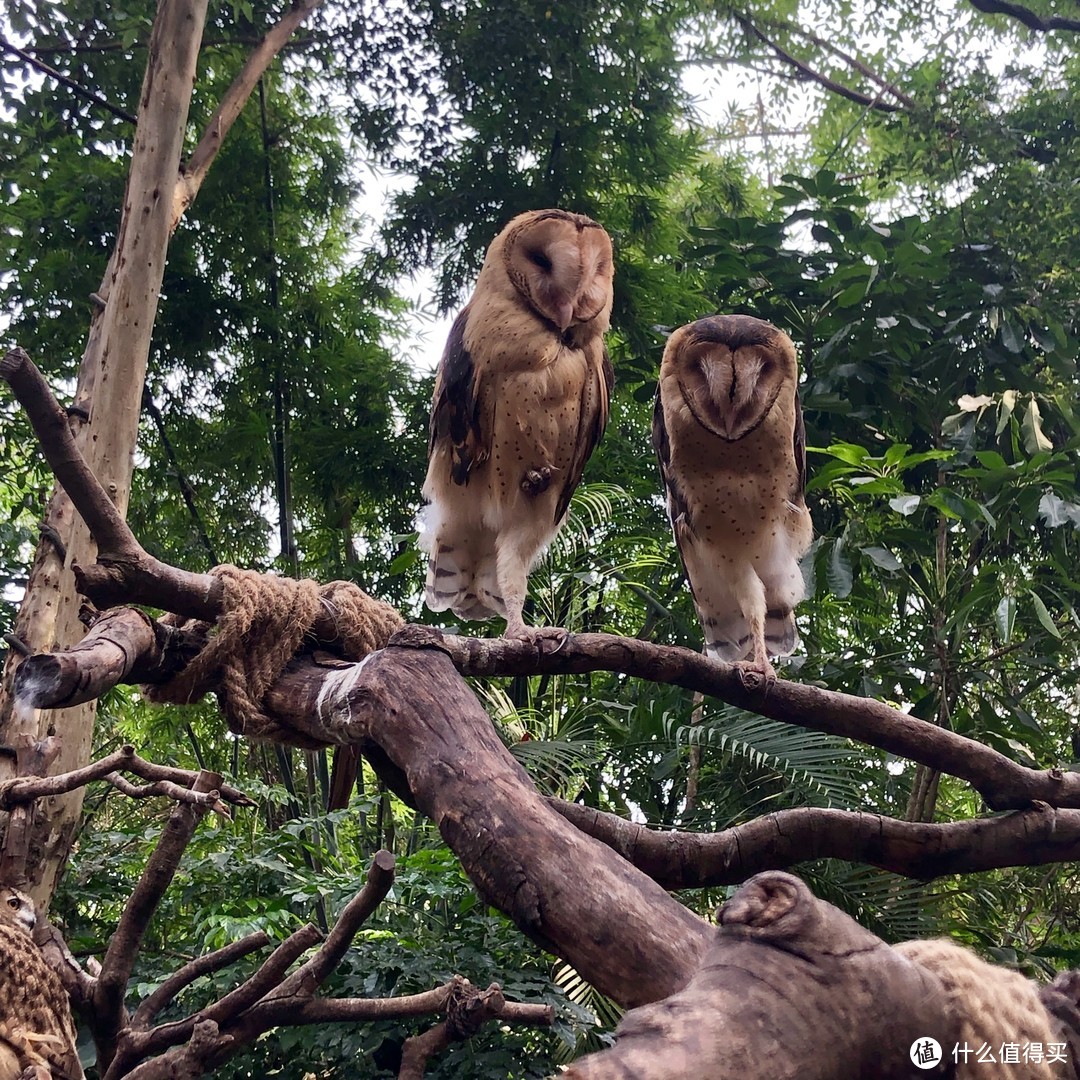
756	676
539	635
536	481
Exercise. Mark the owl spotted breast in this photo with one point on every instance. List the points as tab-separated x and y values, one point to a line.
520	403
728	432
36	1028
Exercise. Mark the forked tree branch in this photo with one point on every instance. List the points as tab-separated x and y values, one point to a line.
206	964
24	789
231	105
271	997
809	74
157	875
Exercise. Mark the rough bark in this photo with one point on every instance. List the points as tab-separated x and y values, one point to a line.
1035	836
789	987
110	386
523	857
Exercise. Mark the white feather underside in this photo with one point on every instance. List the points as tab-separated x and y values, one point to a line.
734	587
461	544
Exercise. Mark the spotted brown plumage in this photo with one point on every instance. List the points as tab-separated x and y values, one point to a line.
521	401
728	433
37	1032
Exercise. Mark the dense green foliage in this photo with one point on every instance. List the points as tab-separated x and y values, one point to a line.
924	259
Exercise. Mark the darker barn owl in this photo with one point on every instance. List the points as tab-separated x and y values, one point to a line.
37	1034
521	400
728	431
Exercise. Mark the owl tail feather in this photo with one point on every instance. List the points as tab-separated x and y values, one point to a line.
453	583
730	639
781	636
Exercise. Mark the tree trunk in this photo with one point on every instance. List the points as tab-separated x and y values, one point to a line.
107	401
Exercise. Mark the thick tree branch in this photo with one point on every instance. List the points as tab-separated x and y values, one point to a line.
855	63
1025	15
123	645
788	986
680	860
124	572
124	945
523	857
1003	783
53	429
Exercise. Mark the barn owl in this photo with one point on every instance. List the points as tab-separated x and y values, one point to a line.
36	1029
728	431
521	400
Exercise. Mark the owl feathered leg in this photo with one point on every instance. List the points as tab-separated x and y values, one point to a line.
512	573
750	592
733	613
512	567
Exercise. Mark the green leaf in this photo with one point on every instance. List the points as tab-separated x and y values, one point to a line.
1043	615
838	571
953	505
882	557
1011	337
1035	441
849	452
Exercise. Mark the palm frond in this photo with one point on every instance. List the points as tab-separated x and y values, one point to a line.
606	1014
817	769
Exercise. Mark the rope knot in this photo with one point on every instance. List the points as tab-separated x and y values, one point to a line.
262	626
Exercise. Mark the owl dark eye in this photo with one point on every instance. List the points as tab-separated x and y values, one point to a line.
538	258
12	902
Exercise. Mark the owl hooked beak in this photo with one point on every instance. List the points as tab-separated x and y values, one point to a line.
563	314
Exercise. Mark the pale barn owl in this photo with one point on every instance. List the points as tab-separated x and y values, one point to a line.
36	1029
521	400
728	432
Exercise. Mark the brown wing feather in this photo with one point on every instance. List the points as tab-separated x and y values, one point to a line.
678	508
455	407
591	425
799	447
